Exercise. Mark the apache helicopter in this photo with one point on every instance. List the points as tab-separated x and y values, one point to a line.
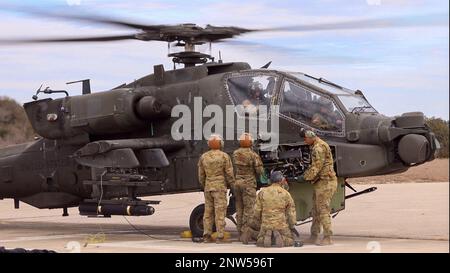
102	151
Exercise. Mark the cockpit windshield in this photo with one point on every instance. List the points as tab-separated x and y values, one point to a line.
322	83
311	109
353	102
356	104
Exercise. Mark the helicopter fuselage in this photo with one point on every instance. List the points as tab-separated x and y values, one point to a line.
126	134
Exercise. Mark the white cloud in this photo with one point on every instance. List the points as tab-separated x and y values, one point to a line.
73	2
131	5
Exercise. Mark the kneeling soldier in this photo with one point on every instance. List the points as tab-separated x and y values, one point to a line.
275	210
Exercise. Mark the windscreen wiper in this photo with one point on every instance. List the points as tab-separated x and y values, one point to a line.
359	109
330	83
322	80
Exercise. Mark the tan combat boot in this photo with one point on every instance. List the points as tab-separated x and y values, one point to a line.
245	237
207	238
278	239
268	239
222	240
326	241
312	240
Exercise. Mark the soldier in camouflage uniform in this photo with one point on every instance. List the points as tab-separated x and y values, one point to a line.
251	232
215	174
326	118
275	211
321	174
248	167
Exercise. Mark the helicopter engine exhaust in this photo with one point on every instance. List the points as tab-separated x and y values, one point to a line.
149	108
111	112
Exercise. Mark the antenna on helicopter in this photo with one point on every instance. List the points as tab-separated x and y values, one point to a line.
86	87
267	65
47	90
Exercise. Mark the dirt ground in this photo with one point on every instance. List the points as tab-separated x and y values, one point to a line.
434	171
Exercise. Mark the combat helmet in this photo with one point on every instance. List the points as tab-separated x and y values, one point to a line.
215	142
245	140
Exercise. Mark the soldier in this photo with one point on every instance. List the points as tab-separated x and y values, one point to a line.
256	97
251	232
326	118
248	167
215	173
275	211
321	174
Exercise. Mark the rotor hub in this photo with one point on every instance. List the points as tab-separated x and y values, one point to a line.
190	58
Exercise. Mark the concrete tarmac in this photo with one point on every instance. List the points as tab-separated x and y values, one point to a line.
408	217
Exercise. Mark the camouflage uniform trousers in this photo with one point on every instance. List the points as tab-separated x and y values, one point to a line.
257	233
286	235
252	229
245	193
323	193
215	212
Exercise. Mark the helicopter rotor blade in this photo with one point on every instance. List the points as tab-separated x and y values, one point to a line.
292	54
260	46
69	39
212	34
392	22
63	14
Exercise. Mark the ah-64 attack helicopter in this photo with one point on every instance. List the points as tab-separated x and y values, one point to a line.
102	151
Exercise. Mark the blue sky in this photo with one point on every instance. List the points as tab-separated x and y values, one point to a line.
399	69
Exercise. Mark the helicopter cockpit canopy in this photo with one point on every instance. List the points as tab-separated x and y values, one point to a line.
311	102
250	92
309	108
351	100
356	103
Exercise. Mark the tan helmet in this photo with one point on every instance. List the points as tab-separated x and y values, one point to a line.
256	89
310	134
256	86
246	140
215	142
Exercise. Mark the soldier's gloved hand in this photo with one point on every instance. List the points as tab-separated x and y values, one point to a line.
301	179
263	179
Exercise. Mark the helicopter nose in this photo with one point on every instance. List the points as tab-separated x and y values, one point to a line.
419	145
414	148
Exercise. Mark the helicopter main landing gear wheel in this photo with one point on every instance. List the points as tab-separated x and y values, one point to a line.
196	221
196	218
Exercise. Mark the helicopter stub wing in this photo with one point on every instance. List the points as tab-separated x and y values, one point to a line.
127	153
